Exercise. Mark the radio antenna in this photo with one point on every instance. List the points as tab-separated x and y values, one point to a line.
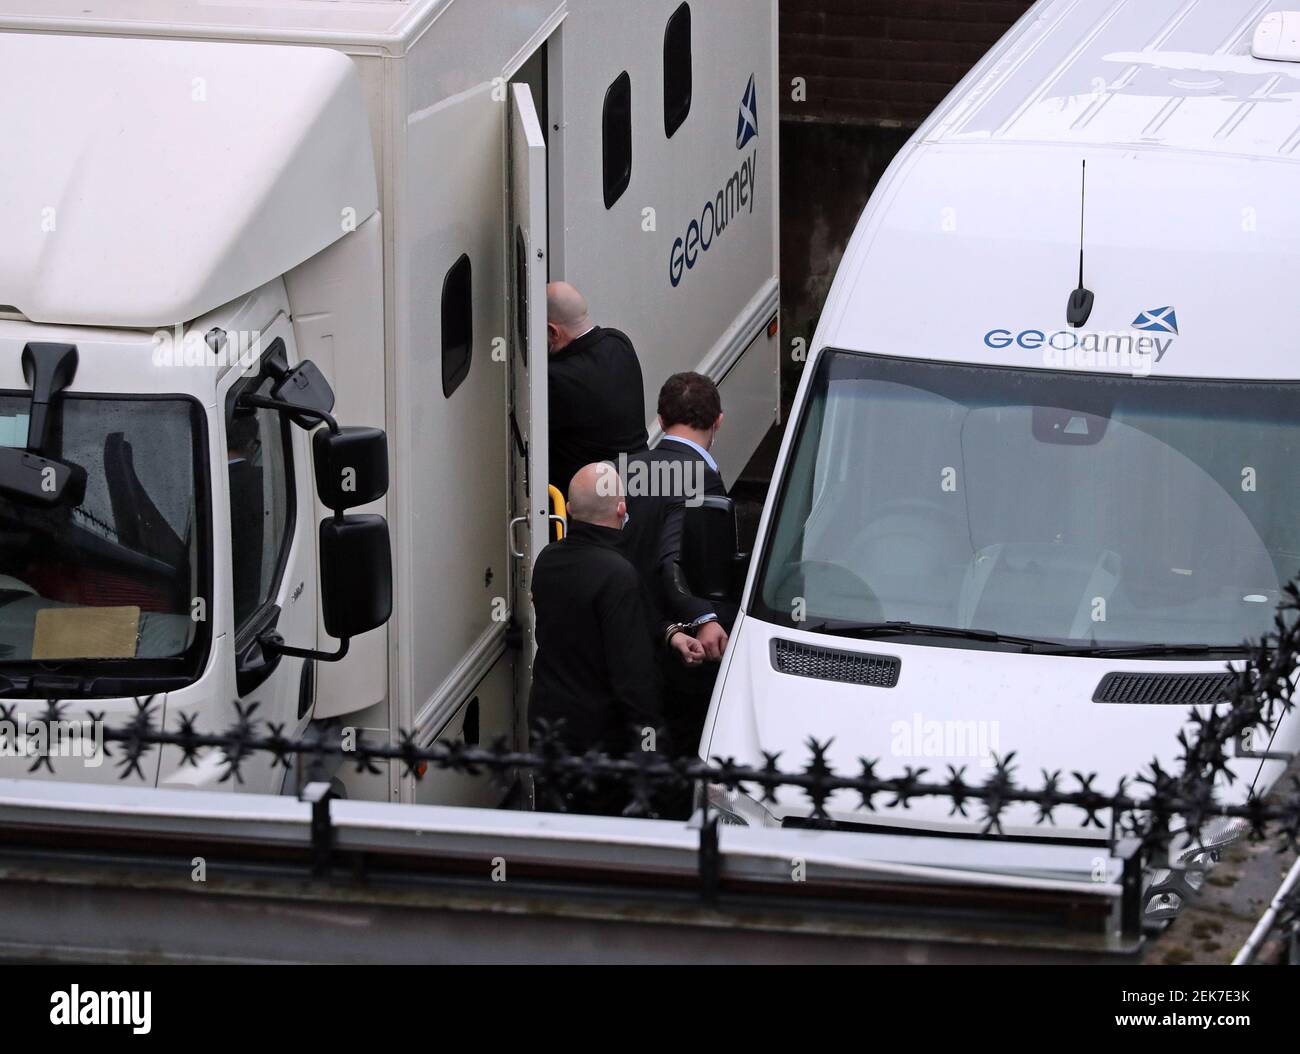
1079	309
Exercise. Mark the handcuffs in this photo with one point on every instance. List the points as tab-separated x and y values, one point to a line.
686	627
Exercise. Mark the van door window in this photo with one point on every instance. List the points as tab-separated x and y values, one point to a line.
260	463
678	78
457	325
616	127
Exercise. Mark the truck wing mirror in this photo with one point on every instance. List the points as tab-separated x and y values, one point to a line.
356	574
351	466
710	555
304	387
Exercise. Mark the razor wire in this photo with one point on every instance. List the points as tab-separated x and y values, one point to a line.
1145	805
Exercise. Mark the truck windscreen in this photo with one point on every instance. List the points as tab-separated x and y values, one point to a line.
118	580
1076	508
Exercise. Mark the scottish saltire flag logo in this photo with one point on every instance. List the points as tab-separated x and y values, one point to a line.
1159	320
747	126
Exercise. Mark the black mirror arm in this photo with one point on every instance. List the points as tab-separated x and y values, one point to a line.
263	402
273	644
49	369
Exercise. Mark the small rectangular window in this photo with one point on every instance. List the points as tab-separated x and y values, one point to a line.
521	295
457	325
617	138
677	70
259	459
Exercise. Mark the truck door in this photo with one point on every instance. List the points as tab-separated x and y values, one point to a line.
530	513
273	580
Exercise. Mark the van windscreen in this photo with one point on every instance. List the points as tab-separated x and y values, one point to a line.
1076	508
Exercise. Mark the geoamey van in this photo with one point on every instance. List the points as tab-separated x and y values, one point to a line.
1022	510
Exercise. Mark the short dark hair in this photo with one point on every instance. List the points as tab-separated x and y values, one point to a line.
689	399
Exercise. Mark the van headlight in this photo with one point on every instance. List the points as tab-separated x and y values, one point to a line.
738	809
1169	889
1214	837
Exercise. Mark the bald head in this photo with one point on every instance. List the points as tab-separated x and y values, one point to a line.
567	316
596	496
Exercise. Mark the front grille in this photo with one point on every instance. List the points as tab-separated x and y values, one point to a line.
826	664
1168	689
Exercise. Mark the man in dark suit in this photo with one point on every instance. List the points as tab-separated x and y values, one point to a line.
597	396
661	484
597	638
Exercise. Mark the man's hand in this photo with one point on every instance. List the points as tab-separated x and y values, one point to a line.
714	639
689	651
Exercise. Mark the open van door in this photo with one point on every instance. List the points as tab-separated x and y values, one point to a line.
530	512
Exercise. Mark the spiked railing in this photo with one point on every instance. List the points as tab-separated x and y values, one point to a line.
1142	805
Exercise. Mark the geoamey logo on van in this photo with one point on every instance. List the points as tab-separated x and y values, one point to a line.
736	197
1135	351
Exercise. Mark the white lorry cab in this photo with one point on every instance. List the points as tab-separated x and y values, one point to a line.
273	402
1021	510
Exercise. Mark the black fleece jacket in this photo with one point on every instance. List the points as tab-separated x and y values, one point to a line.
596	663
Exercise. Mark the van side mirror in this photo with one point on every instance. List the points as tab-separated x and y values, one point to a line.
710	553
351	466
356	568
351	469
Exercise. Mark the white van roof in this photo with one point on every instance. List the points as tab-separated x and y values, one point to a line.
1172	74
319	21
969	249
230	163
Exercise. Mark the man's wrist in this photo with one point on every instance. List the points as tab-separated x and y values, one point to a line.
672	631
702	621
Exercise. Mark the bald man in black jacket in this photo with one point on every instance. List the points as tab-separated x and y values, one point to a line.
597	670
597	396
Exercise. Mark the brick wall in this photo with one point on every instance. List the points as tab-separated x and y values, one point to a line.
884	62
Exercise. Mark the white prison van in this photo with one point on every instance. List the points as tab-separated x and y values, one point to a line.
1021	510
224	224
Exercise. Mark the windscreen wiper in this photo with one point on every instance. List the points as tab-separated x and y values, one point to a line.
871	630
1155	651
